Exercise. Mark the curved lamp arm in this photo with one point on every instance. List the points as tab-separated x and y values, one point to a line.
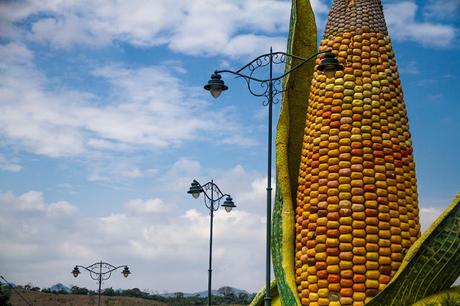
249	77
217	190
94	274
215	197
271	86
212	198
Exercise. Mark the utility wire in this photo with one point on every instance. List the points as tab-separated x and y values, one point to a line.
19	293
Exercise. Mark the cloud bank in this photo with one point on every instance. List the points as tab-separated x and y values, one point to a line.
163	240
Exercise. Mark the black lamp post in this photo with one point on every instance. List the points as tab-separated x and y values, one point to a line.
329	65
212	198
100	271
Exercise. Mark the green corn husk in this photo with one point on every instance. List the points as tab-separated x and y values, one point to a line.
431	265
301	42
449	297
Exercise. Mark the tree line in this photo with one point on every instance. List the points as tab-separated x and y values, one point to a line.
227	295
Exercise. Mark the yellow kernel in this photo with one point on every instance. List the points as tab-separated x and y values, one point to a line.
346	238
321	256
359	260
332	242
372	283
359	296
323	292
344	264
359	251
313	296
373	274
312	279
384	260
372	265
357	242
333	269
346	220
372	256
311	270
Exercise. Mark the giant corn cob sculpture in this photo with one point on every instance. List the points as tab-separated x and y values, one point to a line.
346	227
356	212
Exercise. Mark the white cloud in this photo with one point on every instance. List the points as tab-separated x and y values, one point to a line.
31	115
409	67
150	206
191	27
61	210
104	167
177	179
254	44
427	216
166	235
247	188
145	109
66	31
403	26
258	189
184	166
146	235
442	9
200	27
31	201
16	53
9	165
152	236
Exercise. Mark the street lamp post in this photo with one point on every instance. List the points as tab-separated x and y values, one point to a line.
268	89
100	271
212	198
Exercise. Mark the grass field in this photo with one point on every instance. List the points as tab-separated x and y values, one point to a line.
51	299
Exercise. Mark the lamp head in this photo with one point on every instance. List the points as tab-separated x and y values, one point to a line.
75	271
215	85
195	189
329	65
228	204
126	271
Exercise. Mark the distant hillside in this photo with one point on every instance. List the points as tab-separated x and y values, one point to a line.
59	288
223	291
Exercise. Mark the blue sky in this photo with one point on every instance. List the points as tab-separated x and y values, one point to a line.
104	124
